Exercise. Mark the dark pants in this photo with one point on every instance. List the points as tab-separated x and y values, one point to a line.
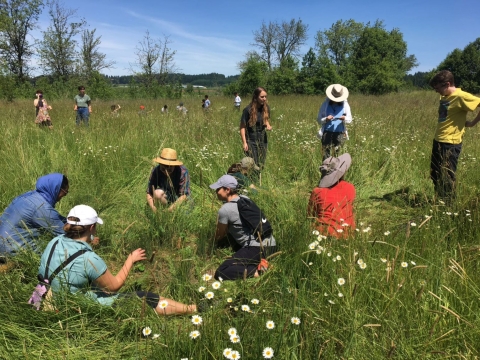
257	151
443	166
244	262
331	140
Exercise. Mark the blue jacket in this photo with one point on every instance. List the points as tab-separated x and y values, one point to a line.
30	214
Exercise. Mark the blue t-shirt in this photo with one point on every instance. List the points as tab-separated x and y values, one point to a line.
80	273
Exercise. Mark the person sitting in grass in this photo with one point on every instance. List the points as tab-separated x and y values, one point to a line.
169	182
241	171
249	259
115	110
31	214
331	202
88	273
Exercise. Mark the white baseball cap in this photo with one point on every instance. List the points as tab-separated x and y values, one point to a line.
86	214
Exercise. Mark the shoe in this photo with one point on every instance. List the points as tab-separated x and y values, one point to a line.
263	266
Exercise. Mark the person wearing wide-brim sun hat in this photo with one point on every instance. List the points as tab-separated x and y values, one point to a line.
331	202
169	182
333	116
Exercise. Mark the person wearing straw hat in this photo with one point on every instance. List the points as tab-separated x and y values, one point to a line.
332	117
331	202
169	182
70	265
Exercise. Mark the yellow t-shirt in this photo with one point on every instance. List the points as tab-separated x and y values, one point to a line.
452	115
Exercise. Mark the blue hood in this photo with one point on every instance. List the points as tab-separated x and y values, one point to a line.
49	187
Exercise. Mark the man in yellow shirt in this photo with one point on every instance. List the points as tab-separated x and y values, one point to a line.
452	120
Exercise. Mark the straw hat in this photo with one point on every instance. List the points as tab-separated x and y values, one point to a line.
168	157
332	169
337	92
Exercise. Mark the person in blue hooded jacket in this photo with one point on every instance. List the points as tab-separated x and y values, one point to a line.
31	214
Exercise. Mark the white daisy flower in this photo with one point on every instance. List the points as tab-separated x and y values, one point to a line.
194	334
383	260
360	261
315	232
331	302
386	233
321	237
227	353
209	295
412	224
146	331
267	353
413	263
255	301
339	257
270	324
206	277
216	285
340	230
295	320
163	304
235	338
197	320
201	289
404	264
340	294
155	336
232	331
341	281
363	266
312	246
229	300
234	355
245	308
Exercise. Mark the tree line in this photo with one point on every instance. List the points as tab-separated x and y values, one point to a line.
365	57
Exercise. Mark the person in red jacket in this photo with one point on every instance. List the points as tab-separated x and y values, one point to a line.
331	202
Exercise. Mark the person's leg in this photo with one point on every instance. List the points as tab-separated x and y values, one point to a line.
87	117
243	263
451	153
327	143
435	167
78	117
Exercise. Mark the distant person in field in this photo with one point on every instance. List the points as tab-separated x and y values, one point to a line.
31	214
181	108
164	109
207	102
331	202
452	120
83	106
142	111
237	102
203	104
333	116
249	259
254	123
115	110
241	172
87	274
169	182
41	110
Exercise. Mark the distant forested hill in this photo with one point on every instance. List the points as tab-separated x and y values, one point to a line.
208	80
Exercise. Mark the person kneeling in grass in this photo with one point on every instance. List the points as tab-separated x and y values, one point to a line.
250	251
331	202
169	182
88	273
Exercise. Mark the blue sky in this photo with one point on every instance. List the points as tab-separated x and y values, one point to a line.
213	36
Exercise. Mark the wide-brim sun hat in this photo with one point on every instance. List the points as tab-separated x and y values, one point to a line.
227	181
337	92
168	157
333	168
86	215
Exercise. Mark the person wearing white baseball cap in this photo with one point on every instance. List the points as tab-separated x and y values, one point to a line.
333	115
82	270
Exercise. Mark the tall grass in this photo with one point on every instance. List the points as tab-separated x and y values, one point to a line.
416	297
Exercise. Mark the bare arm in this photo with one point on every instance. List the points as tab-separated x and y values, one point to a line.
243	136
151	202
180	200
221	231
473	122
113	283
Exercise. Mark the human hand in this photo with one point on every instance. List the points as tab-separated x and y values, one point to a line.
138	255
49	107
245	147
95	241
269	127
75	108
329	117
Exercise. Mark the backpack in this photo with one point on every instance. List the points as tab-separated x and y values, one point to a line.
254	219
43	290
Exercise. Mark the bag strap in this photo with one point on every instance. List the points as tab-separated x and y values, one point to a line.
65	263
52	250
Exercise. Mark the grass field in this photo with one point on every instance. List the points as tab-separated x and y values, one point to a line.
417	297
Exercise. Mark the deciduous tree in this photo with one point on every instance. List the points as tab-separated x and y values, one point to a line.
92	59
17	20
